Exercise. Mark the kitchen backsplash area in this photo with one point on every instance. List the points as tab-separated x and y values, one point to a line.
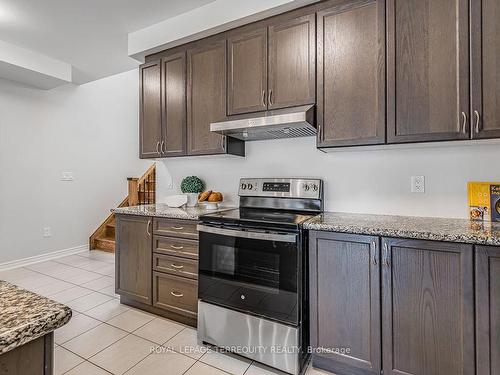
356	180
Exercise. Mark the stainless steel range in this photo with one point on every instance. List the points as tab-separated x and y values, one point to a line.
253	292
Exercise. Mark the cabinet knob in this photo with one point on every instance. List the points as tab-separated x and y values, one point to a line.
158	148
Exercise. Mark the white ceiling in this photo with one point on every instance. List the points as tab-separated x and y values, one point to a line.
91	35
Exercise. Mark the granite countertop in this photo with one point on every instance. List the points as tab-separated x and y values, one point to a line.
424	228
162	210
26	316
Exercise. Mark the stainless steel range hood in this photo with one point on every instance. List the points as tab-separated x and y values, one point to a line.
280	123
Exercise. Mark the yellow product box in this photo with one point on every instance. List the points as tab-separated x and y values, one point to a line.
484	201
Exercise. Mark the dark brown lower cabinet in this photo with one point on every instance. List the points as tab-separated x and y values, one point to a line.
428	308
134	257
404	309
345	302
32	358
488	310
155	272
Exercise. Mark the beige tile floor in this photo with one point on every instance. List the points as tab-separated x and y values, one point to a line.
106	337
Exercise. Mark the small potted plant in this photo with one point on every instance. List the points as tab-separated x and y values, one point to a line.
192	186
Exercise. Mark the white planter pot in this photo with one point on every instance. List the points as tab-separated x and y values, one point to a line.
192	199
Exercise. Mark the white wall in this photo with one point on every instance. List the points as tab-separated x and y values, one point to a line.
90	130
372	181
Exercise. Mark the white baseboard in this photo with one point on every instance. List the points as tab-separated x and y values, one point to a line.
43	257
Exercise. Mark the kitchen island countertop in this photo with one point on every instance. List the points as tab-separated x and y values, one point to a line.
423	228
162	210
26	316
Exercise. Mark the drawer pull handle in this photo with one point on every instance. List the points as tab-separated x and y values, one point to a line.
177	247
176	266
178	228
178	295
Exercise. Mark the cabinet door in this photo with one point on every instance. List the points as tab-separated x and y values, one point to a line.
345	302
134	258
150	124
247	72
428	308
292	62
427	70
206	97
351	74
174	104
488	310
485	57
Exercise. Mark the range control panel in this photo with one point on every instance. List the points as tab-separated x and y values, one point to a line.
281	187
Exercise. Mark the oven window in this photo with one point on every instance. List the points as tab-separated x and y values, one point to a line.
255	275
251	266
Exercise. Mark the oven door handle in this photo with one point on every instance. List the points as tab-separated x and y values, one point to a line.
248	234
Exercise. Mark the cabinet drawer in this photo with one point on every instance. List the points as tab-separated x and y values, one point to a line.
177	294
175	228
176	246
176	266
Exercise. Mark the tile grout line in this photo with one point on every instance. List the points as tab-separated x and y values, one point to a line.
130	334
69	282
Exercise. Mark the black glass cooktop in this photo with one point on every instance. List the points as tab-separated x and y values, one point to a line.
259	217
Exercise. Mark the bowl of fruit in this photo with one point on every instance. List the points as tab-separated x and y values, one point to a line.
211	199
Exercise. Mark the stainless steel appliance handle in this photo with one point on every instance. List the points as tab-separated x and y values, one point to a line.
247	234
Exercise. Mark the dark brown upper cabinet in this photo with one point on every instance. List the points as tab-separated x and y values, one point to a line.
427	70
345	302
488	310
206	100
150	117
351	74
427	307
174	105
247	72
292	62
134	258
485	68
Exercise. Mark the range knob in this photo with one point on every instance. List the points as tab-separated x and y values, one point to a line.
315	187
306	187
250	186
243	186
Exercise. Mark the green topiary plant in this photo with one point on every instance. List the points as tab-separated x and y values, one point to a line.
192	184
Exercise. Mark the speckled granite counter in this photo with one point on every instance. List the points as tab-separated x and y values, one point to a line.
26	316
162	210
424	228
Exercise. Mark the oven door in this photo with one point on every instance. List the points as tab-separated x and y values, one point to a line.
250	271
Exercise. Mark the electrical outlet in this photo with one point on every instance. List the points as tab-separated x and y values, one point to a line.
67	176
46	232
418	184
